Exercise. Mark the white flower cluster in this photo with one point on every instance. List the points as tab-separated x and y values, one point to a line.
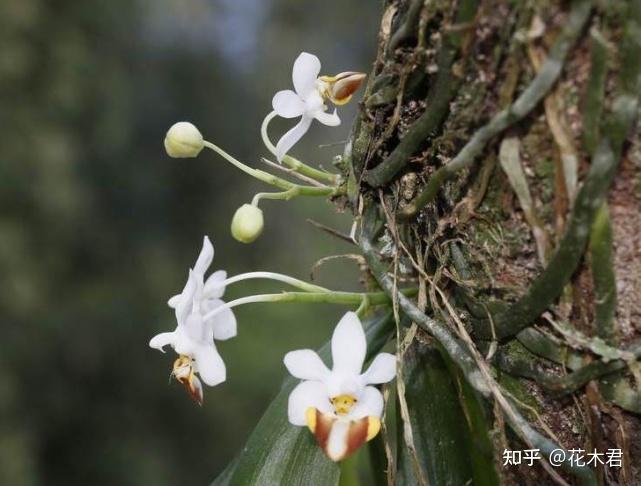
340	406
308	101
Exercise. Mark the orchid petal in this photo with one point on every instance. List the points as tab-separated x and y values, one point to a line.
329	119
185	343
174	301
382	370
213	288
204	258
290	138
223	324
159	341
305	72
307	394
343	382
194	328
306	365
209	364
197	300
349	344
288	104
184	307
369	404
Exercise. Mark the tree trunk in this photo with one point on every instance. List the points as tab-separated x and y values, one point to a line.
497	161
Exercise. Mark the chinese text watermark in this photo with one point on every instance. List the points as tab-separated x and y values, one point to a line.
573	457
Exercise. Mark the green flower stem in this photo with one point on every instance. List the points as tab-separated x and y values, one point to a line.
295	192
524	104
293	163
284	196
327	297
256	173
364	307
279	277
272	179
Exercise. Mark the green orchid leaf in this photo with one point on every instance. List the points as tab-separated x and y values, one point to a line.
280	453
449	429
378	459
224	477
481	448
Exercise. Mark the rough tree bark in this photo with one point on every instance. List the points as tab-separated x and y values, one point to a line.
496	161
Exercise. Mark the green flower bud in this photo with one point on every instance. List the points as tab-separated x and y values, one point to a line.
183	140
247	223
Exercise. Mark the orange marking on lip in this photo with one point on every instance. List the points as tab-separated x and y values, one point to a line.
358	431
184	373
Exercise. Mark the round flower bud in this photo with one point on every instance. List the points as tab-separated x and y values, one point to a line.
247	223
183	140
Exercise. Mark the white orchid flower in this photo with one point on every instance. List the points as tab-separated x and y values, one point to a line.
339	406
193	338
308	99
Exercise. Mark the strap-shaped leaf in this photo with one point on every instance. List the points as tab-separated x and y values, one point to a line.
448	425
280	453
225	477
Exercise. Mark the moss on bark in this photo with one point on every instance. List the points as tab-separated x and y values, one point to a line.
431	123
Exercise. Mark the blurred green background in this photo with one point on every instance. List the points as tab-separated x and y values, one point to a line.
98	226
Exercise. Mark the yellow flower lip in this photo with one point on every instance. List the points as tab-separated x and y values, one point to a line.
343	404
340	88
184	373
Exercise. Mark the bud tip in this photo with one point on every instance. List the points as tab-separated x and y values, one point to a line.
247	223
183	140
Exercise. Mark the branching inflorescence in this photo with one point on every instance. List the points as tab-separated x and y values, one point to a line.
341	405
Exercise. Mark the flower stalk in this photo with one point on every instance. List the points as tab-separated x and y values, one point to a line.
292	162
326	297
278	277
364	307
271	179
283	196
